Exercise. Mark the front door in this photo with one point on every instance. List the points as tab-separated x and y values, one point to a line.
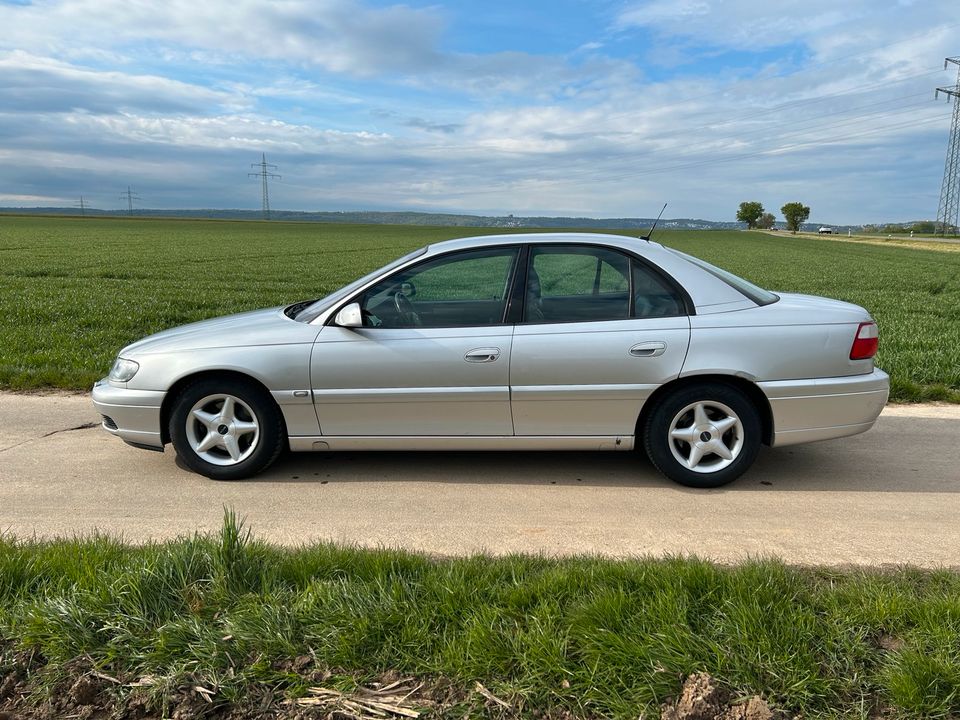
432	357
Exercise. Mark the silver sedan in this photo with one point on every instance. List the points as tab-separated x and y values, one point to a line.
556	341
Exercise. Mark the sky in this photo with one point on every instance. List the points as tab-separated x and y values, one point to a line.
524	107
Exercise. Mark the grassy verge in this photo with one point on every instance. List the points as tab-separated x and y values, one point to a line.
589	637
73	291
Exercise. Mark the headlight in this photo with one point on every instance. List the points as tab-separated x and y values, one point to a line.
123	369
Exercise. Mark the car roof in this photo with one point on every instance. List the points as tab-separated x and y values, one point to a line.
709	293
624	241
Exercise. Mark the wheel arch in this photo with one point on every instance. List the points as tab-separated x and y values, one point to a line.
748	388
174	392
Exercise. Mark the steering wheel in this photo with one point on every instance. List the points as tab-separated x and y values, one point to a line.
408	316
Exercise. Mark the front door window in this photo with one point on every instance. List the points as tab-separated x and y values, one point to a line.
465	289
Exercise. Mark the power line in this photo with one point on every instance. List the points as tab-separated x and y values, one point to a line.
130	196
950	190
264	176
82	206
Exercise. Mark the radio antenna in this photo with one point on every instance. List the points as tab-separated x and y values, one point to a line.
650	234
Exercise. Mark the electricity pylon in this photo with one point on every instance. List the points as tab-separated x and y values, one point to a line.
130	196
950	190
264	175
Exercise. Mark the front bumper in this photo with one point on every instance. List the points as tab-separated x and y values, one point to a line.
825	408
131	415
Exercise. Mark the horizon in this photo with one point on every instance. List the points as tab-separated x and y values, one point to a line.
182	213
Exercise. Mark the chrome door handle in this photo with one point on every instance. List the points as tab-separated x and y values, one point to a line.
482	355
649	349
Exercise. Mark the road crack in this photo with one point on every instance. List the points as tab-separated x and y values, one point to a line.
84	426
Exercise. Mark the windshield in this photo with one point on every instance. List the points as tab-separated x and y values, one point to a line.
312	310
754	292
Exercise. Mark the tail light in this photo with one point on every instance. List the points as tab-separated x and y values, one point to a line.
866	341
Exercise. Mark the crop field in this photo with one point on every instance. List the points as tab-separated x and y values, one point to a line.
73	291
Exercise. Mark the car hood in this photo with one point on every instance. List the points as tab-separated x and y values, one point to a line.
258	327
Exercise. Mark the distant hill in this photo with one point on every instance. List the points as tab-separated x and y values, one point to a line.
399	218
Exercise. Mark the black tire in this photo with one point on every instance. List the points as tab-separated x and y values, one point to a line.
678	410
255	450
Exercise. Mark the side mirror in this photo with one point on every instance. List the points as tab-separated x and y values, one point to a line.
349	316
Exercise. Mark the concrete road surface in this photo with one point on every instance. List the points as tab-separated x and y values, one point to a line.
891	495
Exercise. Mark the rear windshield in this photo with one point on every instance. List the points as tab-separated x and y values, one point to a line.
754	292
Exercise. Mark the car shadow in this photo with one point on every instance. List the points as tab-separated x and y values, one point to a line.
902	454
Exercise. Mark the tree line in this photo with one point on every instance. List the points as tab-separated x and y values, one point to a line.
753	214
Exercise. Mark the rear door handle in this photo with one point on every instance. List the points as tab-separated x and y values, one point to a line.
482	355
654	348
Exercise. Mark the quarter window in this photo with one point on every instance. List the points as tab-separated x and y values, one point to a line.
652	297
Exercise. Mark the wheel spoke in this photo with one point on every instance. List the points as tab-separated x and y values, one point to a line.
227	412
209	441
700	415
244	428
696	454
688	434
720	449
206	418
230	443
723	425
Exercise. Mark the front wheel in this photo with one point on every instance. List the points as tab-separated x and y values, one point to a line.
703	436
226	429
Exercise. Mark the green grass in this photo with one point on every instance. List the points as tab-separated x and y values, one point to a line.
75	290
594	637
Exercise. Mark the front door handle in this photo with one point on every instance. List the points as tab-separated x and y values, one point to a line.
655	348
482	355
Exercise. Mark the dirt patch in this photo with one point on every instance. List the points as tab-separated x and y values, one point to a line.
86	693
702	699
89	695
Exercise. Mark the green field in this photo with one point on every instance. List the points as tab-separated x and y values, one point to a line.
75	290
252	624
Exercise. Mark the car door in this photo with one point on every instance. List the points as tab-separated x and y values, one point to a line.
600	331
432	357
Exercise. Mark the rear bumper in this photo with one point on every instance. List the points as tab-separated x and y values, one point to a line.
825	408
131	415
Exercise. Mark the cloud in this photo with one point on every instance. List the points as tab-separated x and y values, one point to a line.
827	28
337	35
376	107
29	83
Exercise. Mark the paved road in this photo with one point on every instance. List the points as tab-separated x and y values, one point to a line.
889	496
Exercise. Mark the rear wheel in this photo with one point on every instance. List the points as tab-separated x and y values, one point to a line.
703	435
226	429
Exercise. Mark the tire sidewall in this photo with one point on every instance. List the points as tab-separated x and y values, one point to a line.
260	403
657	434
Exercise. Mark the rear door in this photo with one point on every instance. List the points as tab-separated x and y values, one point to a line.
600	331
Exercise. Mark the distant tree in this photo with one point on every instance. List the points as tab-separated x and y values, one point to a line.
766	221
795	214
749	213
926	227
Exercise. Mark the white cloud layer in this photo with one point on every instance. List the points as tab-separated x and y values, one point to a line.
367	106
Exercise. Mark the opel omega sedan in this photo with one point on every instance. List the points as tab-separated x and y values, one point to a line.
556	341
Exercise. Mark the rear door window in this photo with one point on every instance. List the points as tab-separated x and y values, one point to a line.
576	284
